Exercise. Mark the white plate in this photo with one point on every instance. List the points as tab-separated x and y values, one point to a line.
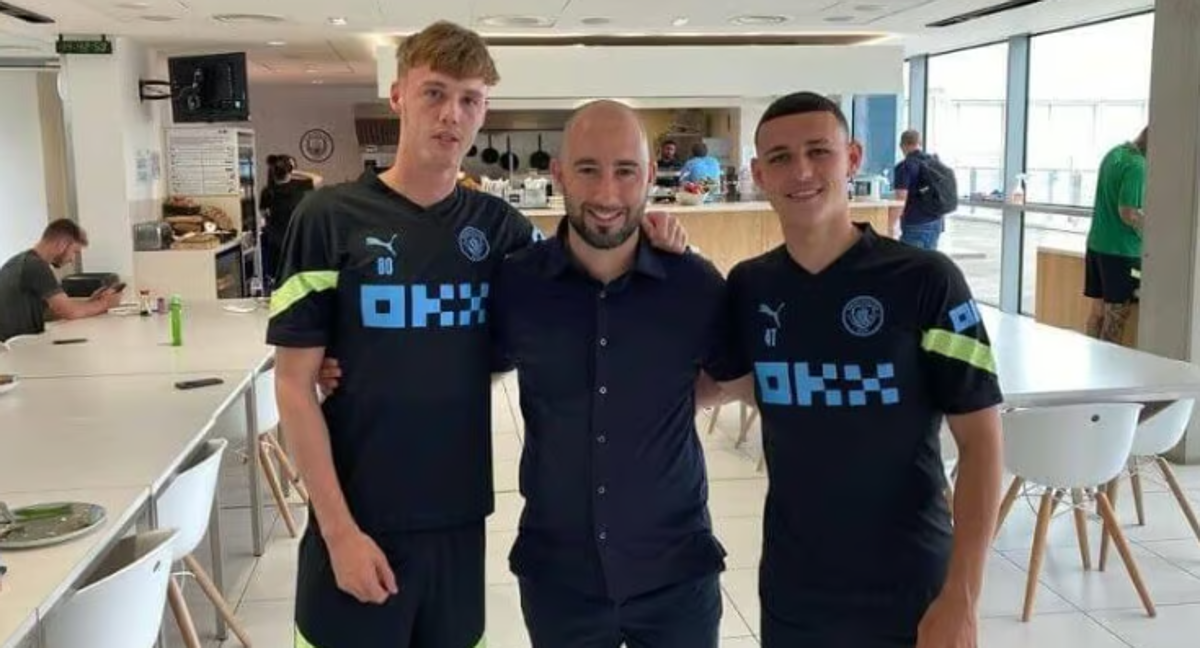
79	519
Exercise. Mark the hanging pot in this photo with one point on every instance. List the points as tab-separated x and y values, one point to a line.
509	160
540	159
490	155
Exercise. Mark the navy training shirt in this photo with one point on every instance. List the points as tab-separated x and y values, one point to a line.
612	470
854	368
399	295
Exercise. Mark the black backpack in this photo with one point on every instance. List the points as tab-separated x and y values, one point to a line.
936	190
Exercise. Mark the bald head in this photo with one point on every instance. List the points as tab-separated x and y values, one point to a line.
602	120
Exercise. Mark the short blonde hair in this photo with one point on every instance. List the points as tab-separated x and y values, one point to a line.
449	49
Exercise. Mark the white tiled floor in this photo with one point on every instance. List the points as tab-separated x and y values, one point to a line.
1074	609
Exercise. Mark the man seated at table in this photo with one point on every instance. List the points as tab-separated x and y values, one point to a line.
28	286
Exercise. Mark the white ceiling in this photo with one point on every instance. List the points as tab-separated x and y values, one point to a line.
317	50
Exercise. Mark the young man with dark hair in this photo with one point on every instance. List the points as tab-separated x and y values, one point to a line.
918	227
28	287
855	347
391	276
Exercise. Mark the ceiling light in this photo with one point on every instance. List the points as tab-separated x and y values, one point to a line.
311	70
247	18
276	43
134	5
159	19
759	20
596	20
338	21
318	81
516	21
18	48
680	21
869	8
839	19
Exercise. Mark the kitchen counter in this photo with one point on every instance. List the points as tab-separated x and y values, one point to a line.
730	232
193	274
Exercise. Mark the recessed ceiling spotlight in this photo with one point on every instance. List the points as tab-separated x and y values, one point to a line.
232	18
839	19
276	43
133	6
159	19
318	81
311	70
680	21
869	8
516	21
338	21
596	20
759	20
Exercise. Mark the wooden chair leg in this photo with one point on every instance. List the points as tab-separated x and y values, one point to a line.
218	599
273	481
1173	483
1006	504
183	616
1045	513
1135	480
1085	549
712	423
290	474
1118	536
745	431
1112	490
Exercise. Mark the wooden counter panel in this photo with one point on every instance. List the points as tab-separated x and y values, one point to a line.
1059	297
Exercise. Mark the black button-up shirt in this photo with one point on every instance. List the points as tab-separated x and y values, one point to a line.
612	470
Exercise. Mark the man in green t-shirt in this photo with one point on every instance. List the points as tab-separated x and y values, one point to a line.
1114	243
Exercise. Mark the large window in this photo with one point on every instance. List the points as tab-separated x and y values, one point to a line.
965	116
965	113
1089	90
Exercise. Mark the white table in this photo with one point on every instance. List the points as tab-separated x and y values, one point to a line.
1043	365
38	578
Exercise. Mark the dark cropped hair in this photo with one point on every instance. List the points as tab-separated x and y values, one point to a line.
799	103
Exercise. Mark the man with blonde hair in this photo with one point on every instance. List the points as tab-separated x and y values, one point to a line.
390	275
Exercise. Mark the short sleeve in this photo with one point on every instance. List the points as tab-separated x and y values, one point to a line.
957	354
903	179
1133	184
304	304
38	278
517	232
728	358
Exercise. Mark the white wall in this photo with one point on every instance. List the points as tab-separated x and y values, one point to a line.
108	124
629	72
281	114
23	213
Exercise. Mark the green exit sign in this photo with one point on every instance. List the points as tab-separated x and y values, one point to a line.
102	46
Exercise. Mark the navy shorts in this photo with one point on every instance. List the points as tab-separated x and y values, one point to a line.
440	575
1114	279
685	615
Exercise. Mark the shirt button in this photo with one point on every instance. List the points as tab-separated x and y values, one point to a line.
603	342
602	490
603	390
603	294
603	536
601	439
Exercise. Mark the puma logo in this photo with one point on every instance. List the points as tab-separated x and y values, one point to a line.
387	245
763	309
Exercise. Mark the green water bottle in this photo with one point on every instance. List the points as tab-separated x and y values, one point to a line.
176	321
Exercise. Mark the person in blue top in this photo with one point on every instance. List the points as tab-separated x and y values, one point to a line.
701	166
917	227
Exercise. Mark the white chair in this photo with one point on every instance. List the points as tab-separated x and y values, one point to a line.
1156	435
16	341
186	505
1056	450
269	446
120	605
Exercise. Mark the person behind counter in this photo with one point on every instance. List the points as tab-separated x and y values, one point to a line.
701	166
285	189
668	159
28	286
